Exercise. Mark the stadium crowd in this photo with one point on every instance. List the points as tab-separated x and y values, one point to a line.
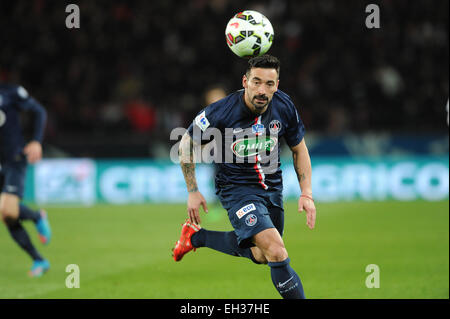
135	70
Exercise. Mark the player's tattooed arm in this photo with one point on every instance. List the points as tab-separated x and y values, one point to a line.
189	176
187	162
300	175
186	156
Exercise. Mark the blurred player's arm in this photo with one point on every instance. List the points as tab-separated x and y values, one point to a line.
302	166
195	198
33	149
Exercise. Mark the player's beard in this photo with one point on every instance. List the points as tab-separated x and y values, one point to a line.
260	102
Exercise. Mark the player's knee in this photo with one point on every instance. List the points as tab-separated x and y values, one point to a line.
262	260
276	253
258	256
8	220
8	216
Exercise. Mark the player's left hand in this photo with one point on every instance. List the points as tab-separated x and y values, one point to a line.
33	151
307	204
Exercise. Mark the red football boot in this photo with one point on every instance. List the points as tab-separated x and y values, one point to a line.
184	245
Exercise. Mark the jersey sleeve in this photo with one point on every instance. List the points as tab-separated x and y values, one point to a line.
295	129
25	102
201	127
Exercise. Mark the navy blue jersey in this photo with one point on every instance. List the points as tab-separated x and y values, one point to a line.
13	100
248	143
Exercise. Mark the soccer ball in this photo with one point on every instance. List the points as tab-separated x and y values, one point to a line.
249	34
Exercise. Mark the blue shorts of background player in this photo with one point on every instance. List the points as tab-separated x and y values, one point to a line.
13	173
251	210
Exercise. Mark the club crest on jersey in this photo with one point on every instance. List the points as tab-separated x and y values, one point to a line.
254	145
257	128
251	220
244	210
275	127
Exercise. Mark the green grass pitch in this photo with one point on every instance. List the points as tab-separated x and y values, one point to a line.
125	252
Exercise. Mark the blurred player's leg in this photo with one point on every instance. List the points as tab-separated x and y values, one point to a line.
9	207
40	220
25	213
20	236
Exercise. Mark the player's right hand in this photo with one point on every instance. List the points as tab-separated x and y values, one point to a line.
33	152
195	200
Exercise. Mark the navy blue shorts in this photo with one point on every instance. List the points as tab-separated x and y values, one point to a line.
251	210
12	176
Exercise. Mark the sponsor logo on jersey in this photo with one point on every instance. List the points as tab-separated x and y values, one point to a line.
253	145
251	220
244	210
275	127
201	121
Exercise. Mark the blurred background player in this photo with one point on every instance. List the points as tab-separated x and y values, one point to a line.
214	94
446	108
14	155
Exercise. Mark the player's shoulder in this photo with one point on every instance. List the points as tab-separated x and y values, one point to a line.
283	102
283	98
7	87
14	90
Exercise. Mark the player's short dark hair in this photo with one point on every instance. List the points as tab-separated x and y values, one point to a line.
265	61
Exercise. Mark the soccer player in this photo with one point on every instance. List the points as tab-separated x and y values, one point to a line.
14	155
250	190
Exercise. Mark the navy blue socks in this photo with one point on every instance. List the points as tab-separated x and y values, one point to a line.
20	236
286	280
26	213
225	242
